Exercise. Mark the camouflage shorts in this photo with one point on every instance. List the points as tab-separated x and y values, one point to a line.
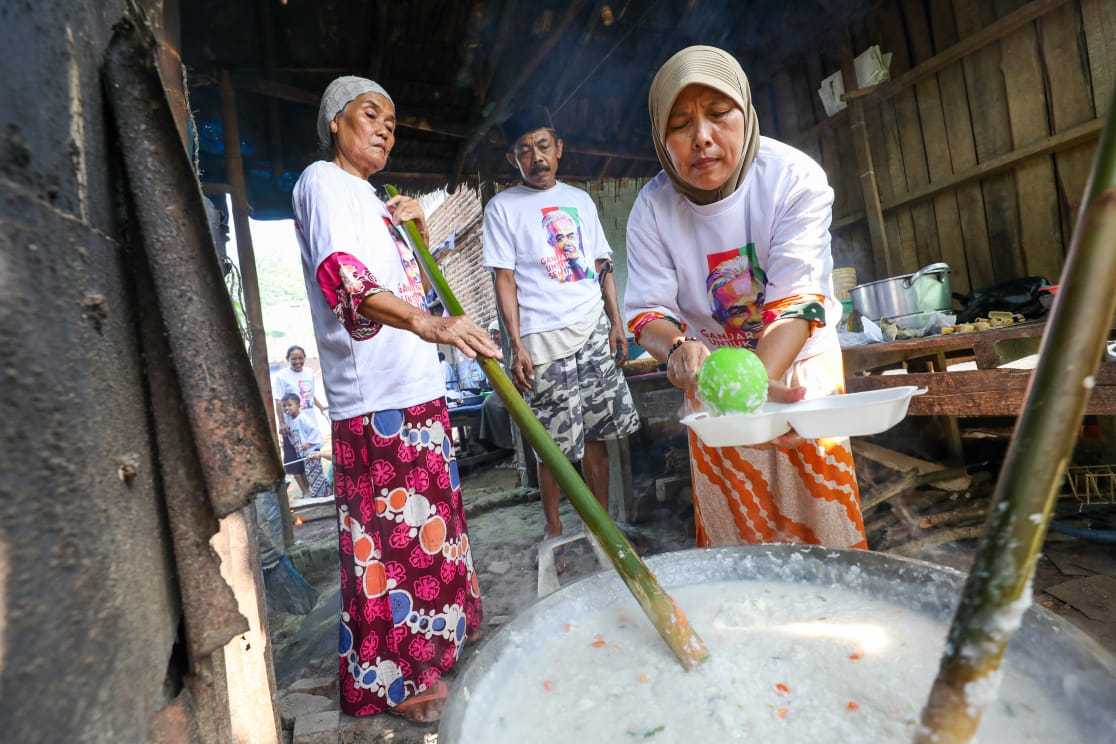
584	396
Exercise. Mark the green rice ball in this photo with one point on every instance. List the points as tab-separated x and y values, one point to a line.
732	381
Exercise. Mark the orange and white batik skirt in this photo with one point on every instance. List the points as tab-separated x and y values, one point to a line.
803	495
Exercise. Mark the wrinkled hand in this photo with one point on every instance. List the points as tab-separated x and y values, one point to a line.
522	369
403	208
684	363
618	343
459	331
777	392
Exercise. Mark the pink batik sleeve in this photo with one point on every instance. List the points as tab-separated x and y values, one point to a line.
345	283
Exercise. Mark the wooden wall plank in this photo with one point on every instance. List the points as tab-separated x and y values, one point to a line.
976	271
951	244
1070	97
786	118
830	159
901	235
895	38
803	108
992	134
1039	217
1099	19
849	182
874	126
831	162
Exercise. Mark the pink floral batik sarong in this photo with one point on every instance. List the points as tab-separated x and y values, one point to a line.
409	593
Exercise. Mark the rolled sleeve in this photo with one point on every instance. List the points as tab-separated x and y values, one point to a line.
345	283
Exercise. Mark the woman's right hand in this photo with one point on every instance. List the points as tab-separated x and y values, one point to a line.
683	365
459	331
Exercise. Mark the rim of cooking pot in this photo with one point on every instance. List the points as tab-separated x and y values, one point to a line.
934	268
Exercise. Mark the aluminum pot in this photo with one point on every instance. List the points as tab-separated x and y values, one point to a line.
1078	676
924	291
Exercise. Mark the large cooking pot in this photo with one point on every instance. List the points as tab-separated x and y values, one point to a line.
1076	674
925	291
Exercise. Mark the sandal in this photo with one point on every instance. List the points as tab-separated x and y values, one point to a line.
424	707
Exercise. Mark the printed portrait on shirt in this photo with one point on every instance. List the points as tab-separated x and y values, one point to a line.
411	288
306	392
735	286
564	258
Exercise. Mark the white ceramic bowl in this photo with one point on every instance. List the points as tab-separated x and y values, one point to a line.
851	415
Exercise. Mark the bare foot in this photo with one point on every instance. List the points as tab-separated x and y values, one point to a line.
425	707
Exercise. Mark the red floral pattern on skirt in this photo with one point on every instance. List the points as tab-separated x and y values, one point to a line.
409	592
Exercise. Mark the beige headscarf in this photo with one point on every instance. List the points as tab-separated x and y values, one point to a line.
717	69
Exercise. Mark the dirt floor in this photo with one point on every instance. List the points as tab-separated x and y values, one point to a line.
1074	579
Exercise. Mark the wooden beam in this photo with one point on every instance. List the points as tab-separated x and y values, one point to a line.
832	122
1055	143
988	35
264	87
848	221
982	392
877	235
541	53
1070	138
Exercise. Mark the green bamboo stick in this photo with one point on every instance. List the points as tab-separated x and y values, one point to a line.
998	589
667	617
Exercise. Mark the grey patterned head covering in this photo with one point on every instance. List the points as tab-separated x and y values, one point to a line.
337	96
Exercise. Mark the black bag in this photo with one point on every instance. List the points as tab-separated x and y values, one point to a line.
1015	296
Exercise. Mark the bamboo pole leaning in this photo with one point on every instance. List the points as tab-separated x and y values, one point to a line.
667	617
998	590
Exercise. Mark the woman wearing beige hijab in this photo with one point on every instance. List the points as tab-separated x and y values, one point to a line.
729	246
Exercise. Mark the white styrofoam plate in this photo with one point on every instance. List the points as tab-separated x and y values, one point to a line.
851	415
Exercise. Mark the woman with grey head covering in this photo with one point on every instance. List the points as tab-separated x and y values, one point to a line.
409	592
729	247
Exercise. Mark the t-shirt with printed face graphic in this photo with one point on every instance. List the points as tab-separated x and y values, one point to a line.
552	240
715	266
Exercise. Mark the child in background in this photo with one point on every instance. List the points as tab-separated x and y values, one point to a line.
307	440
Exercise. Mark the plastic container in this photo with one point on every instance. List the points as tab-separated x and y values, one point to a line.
851	415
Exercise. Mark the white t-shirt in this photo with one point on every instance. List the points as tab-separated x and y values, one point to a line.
714	266
305	428
552	239
287	381
338	212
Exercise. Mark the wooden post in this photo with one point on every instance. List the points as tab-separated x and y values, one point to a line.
234	168
253	311
868	187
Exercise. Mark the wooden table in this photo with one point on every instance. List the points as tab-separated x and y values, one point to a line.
988	390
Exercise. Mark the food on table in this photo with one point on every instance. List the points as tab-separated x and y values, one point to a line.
732	381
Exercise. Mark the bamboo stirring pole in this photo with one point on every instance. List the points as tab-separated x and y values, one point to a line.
667	617
997	591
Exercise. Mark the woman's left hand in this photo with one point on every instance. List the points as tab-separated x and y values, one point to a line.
403	208
618	343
